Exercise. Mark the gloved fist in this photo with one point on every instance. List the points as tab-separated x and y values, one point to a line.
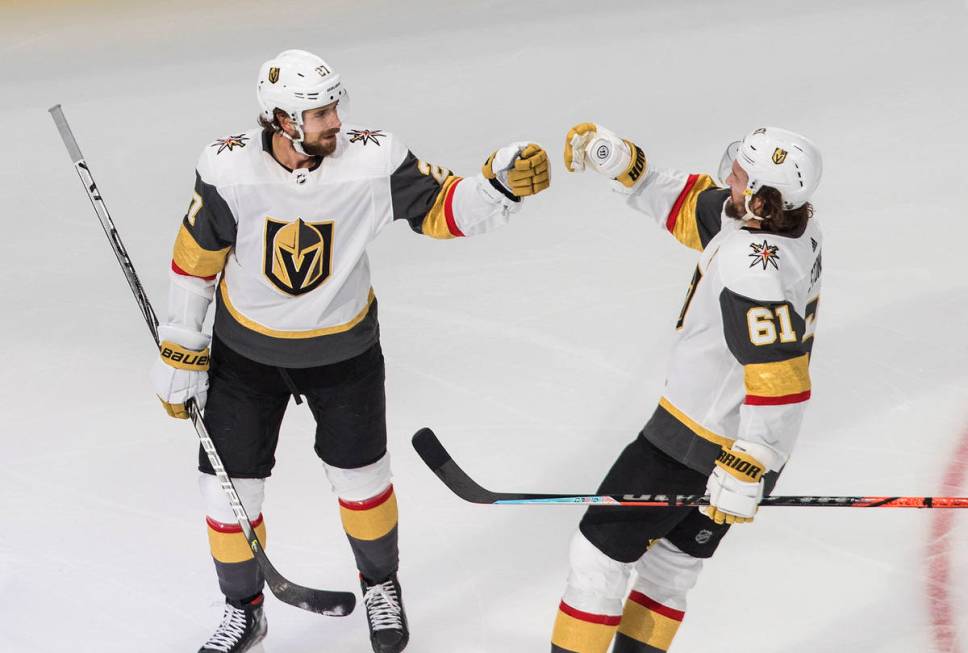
616	158
520	168
181	373
735	487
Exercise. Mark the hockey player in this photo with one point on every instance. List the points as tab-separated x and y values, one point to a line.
736	388
277	230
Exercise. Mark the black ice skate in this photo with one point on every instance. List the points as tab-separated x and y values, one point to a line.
385	615
243	626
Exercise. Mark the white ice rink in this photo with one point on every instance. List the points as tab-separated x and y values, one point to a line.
535	352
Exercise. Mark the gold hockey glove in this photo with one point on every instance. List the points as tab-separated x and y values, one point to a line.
520	168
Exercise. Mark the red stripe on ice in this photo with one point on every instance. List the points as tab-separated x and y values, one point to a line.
943	618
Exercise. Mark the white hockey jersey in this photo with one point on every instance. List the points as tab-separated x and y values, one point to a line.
288	247
739	366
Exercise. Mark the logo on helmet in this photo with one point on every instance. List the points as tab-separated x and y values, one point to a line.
298	255
779	156
273	75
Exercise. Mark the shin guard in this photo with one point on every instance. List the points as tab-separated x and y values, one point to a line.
368	510
656	606
239	575
591	608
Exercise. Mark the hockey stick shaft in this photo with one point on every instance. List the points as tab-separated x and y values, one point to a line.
320	601
433	453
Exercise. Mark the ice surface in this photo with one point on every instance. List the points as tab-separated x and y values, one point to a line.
536	352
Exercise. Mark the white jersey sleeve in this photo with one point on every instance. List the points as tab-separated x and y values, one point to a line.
438	203
205	237
687	206
763	303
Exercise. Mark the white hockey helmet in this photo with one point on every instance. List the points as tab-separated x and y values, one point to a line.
296	81
780	159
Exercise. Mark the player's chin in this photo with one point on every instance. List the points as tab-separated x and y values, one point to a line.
322	147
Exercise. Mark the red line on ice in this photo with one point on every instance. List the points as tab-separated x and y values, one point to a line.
943	616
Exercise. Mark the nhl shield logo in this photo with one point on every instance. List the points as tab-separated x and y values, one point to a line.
273	75
779	156
298	255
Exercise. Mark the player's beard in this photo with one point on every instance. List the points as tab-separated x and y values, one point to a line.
323	146
732	211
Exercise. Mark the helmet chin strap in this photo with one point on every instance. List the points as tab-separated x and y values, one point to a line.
749	210
297	142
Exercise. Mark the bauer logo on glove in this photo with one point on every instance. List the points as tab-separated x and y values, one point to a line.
184	359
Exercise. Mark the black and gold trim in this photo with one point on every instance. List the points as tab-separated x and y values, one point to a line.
322	346
637	166
207	233
422	195
761	332
696	215
683	438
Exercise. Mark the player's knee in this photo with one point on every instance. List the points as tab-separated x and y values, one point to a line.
596	583
361	483
666	574
250	490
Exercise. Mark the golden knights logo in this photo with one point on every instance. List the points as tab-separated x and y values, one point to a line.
298	255
779	155
365	136
230	143
273	75
765	254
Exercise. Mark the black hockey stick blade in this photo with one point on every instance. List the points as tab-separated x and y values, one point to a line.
325	602
432	452
436	457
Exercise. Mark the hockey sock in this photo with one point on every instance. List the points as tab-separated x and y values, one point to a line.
582	632
238	572
647	625
371	527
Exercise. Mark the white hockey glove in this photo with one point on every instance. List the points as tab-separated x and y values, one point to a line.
181	373
520	168
616	158
735	487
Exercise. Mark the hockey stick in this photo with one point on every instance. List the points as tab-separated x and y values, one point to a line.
437	459
331	603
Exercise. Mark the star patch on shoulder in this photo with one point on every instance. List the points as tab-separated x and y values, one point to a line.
230	143
765	254
365	136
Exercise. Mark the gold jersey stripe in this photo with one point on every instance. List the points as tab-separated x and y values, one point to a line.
779	379
682	220
694	426
232	547
194	259
252	325
648	627
435	222
372	524
576	635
